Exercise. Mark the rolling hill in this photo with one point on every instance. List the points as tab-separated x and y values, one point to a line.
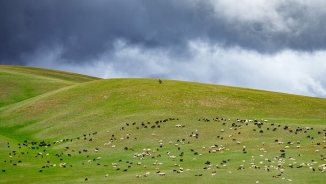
68	113
21	83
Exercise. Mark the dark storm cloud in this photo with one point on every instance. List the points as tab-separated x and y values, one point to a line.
83	28
86	29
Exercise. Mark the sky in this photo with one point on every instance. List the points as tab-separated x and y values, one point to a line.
269	45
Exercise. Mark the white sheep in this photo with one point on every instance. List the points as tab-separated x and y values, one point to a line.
114	164
106	144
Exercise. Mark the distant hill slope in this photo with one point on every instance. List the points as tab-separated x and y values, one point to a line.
19	83
100	102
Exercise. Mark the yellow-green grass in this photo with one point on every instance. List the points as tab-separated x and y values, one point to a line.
105	106
208	132
21	83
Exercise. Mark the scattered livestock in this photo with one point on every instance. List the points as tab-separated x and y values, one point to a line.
233	132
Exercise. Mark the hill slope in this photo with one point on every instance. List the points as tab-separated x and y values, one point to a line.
19	83
113	100
119	130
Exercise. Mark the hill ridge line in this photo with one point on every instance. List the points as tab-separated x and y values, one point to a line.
40	76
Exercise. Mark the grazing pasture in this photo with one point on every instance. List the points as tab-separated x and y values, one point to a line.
21	83
139	130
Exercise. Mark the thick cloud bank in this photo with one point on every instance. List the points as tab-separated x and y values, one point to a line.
272	45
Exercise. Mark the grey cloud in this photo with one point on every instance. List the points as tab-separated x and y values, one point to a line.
86	29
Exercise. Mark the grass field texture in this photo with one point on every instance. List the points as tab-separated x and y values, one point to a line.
58	127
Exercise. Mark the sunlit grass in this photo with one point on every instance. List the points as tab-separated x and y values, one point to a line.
71	108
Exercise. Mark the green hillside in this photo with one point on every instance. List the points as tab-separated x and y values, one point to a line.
20	83
199	124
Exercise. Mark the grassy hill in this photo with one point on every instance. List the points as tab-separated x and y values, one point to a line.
21	83
72	113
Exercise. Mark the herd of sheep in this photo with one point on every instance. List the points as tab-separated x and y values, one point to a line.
179	153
